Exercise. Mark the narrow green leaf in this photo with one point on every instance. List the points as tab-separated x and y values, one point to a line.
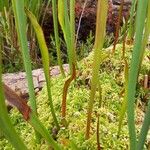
144	130
146	33
61	16
102	8
20	21
146	124
45	59
9	131
6	126
54	9
38	126
72	30
133	73
67	34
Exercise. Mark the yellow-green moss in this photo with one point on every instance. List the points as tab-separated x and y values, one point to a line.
111	78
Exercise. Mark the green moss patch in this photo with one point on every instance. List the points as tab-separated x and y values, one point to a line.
111	78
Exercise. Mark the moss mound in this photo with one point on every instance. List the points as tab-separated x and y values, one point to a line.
111	78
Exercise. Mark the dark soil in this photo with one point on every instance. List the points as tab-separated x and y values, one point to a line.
88	21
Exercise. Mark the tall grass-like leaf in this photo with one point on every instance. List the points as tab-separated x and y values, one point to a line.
61	16
72	30
68	28
55	20
18	7
102	8
20	21
67	33
133	73
6	126
144	130
45	59
146	124
146	33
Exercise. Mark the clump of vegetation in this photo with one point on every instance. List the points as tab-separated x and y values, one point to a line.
109	78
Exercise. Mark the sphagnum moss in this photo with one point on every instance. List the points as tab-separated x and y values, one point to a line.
77	103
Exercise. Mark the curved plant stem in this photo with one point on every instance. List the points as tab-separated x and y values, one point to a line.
65	89
68	28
